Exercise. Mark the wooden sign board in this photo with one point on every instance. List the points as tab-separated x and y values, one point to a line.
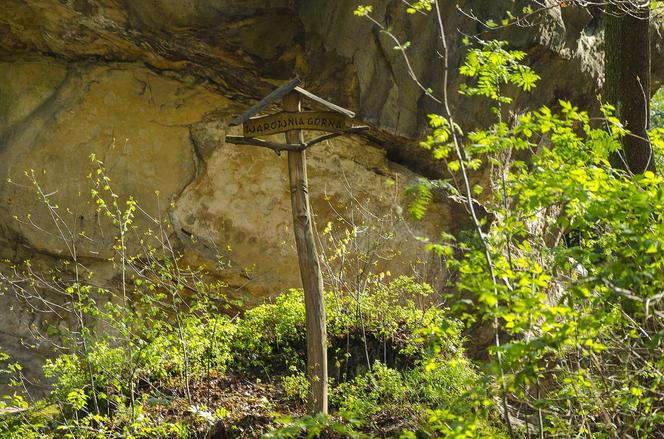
285	121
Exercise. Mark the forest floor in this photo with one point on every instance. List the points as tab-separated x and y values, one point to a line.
250	405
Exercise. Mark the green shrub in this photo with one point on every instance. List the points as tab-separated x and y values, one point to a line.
198	345
271	336
407	394
296	386
309	426
204	342
365	395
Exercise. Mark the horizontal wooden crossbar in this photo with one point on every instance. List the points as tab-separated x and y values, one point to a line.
278	147
274	146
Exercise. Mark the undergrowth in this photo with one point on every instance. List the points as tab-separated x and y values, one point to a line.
147	392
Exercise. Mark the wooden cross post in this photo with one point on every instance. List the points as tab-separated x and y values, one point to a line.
312	279
291	122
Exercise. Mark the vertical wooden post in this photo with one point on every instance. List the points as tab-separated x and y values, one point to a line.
312	280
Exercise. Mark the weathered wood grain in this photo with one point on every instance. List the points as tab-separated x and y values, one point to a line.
312	280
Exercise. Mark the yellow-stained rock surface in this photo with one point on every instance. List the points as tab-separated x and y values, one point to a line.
162	142
133	120
242	200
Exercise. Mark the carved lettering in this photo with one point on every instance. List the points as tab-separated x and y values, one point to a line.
282	122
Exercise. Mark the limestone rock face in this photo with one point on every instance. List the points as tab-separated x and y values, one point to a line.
134	120
149	87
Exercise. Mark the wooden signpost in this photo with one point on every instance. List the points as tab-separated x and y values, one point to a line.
291	121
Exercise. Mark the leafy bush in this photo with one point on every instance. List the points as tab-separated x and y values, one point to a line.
312	426
199	345
296	386
272	335
410	398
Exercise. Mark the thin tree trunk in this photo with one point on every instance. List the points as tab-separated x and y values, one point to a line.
312	280
627	80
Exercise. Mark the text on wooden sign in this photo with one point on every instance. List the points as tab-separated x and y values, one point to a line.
285	121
